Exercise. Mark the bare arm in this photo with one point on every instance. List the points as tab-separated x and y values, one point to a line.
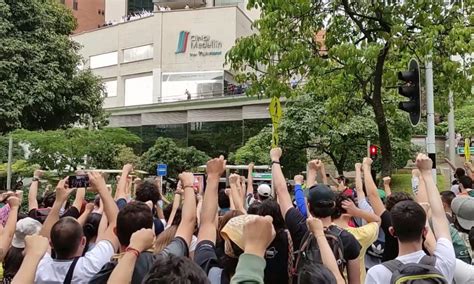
450	164
371	188
327	256
352	209
33	192
284	199
386	186
140	241
8	231
322	170
440	223
80	194
62	193
250	179
102	227
83	218
353	271
312	172
234	191
36	247
207	229
358	181
188	219
175	206
121	191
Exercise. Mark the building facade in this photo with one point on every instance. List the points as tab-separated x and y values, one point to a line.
164	75
90	14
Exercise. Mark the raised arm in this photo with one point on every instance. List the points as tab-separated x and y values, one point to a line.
8	231
250	179
140	241
207	231
322	170
371	188
110	207
386	186
176	202
299	195
312	173
121	191
236	197
284	199
80	194
438	216
353	210
358	181
329	260
62	193
450	164
188	219
36	247
87	211
33	193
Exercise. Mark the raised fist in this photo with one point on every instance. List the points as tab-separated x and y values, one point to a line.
216	167
275	154
299	179
423	163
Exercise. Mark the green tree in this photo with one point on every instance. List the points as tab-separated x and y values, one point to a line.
178	159
353	48
40	84
64	150
125	155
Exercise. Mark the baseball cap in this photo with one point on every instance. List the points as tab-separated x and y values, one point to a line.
264	190
463	207
25	227
321	194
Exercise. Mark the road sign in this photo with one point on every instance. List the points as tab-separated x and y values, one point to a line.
262	176
462	150
161	170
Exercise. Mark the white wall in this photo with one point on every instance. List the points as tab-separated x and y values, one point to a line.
115	9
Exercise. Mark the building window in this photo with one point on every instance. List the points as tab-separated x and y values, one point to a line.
139	90
103	60
191	85
228	2
110	88
74	4
136	6
138	53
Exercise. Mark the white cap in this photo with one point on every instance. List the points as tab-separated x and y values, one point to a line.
264	190
25	227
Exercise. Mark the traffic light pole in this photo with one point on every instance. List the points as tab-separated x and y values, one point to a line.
451	128
430	137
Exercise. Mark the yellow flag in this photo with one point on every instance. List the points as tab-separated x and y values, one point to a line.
275	114
467	149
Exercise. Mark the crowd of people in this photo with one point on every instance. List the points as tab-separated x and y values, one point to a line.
314	233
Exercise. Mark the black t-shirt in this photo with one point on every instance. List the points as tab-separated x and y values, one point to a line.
205	256
391	243
296	224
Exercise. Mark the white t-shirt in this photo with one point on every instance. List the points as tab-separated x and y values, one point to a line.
445	263
54	271
464	272
455	189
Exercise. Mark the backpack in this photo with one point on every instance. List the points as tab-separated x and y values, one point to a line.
423	272
309	252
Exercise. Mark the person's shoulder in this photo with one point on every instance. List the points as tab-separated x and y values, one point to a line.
103	275
378	273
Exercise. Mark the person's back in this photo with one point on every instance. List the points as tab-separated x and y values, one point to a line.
410	236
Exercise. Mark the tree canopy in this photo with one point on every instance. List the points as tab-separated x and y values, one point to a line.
40	84
345	49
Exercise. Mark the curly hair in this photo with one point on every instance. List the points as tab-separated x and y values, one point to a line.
148	191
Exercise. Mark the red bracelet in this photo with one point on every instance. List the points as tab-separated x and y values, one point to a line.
132	250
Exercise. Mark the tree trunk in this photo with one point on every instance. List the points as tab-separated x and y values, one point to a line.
380	120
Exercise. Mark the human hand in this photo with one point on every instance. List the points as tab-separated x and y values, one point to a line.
13	201
227	191
142	239
62	190
350	207
251	166
216	167
242	179
386	180
468	166
127	169
137	181
367	162
187	179
258	235
275	154
315	226
319	165
358	166
38	174
96	181
299	179
423	163
36	245
233	178
89	207
313	165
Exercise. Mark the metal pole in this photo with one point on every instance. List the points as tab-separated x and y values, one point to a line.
430	137
368	148
9	166
451	128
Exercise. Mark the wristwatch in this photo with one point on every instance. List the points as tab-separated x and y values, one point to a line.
275	162
36	179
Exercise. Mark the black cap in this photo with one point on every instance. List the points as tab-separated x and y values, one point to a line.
321	195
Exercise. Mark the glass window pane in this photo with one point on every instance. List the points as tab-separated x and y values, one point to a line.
102	60
136	6
110	88
198	85
139	91
228	2
138	53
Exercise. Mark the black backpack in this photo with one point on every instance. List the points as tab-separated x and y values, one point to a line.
423	272
309	252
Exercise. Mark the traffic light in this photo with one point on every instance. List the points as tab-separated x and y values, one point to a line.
411	89
373	151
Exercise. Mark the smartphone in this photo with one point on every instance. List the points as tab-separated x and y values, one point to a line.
78	181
